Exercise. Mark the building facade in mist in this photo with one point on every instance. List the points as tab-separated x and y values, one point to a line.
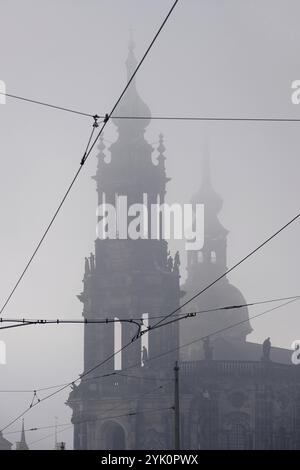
233	394
125	279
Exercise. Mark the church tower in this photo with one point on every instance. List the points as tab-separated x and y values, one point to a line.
203	267
22	444
126	279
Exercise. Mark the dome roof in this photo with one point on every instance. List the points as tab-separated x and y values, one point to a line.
220	295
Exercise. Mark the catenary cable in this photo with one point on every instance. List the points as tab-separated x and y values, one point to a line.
156	118
136	320
151	358
87	154
224	274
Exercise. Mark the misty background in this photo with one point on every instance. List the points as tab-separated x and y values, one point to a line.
214	58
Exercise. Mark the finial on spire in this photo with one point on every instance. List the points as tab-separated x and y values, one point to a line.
132	104
206	194
131	62
131	40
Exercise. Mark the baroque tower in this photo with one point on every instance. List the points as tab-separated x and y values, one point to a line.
127	279
206	265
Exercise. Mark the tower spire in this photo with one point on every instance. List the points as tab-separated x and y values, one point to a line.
131	62
22	444
132	104
207	194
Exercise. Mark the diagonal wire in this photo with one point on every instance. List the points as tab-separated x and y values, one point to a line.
150	358
45	232
251	253
86	155
21	98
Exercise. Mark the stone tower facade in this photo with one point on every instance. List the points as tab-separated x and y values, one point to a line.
127	279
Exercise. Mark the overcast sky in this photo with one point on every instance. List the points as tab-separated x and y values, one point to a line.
214	58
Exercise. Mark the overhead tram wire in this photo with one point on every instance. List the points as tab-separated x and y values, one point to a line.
207	118
50	435
51	387
67	385
209	335
141	377
32	322
221	330
211	284
112	374
154	410
233	325
131	413
88	152
49	225
134	413
147	392
295	299
155	118
86	156
165	353
192	298
48	105
149	359
138	321
291	300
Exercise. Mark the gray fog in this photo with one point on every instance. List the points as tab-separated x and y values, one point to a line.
213	59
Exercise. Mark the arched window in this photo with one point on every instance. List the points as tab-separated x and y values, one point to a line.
200	257
213	257
112	436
